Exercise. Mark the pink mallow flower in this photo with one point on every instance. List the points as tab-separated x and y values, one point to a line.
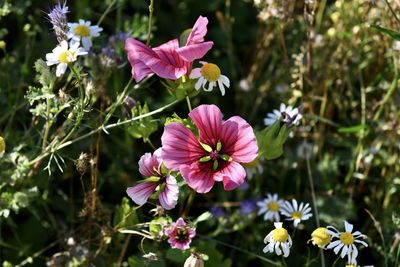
151	166
180	234
217	152
168	60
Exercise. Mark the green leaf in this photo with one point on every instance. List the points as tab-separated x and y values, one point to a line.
177	255
203	217
272	139
143	127
352	129
125	216
44	75
393	34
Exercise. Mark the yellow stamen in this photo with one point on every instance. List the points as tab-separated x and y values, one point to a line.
273	206
320	237
63	57
297	215
280	234
210	72
347	238
82	30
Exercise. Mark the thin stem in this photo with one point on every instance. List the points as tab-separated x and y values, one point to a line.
119	101
189	203
48	124
150	26
188	103
106	12
393	12
61	145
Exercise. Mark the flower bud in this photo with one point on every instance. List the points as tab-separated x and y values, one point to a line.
194	260
2	146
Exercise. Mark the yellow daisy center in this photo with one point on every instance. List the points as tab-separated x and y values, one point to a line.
280	234
320	237
297	215
210	72
63	57
347	238
82	30
273	206
2	145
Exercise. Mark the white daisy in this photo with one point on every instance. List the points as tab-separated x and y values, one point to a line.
83	31
296	213
62	55
289	115
270	207
279	240
345	242
210	73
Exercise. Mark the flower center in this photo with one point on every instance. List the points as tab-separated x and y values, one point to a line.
347	238
63	57
82	30
214	155
297	215
210	72
320	236
181	235
273	206
280	234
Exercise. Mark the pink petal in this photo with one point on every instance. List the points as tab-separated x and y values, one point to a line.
198	32
169	197
147	164
198	176
171	65
238	140
194	51
134	48
141	192
179	146
232	175
208	119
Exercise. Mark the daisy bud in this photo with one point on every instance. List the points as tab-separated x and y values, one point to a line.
194	260
320	237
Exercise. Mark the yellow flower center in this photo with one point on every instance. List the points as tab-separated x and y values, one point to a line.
320	237
297	215
2	145
280	234
347	238
82	30
210	72
350	265
273	206
63	57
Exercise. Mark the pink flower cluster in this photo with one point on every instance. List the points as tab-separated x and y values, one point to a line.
180	234
168	60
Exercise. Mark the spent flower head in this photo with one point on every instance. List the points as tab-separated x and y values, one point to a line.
180	234
295	212
62	55
83	31
320	237
210	73
58	18
345	241
278	241
270	207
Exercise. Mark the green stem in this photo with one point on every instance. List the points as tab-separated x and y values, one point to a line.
189	203
106	12
117	103
188	103
312	189
65	143
393	12
150	26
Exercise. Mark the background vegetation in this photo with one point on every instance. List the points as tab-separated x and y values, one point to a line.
64	206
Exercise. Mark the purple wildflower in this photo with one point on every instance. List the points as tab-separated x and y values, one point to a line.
217	211
58	18
248	206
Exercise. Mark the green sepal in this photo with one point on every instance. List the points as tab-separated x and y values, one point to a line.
205	159
206	147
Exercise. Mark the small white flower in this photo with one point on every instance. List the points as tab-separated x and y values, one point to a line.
270	207
278	240
289	115
83	31
62	55
296	213
345	242
209	73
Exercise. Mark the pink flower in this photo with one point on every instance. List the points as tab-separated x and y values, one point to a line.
215	155
150	166
180	234
168	60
